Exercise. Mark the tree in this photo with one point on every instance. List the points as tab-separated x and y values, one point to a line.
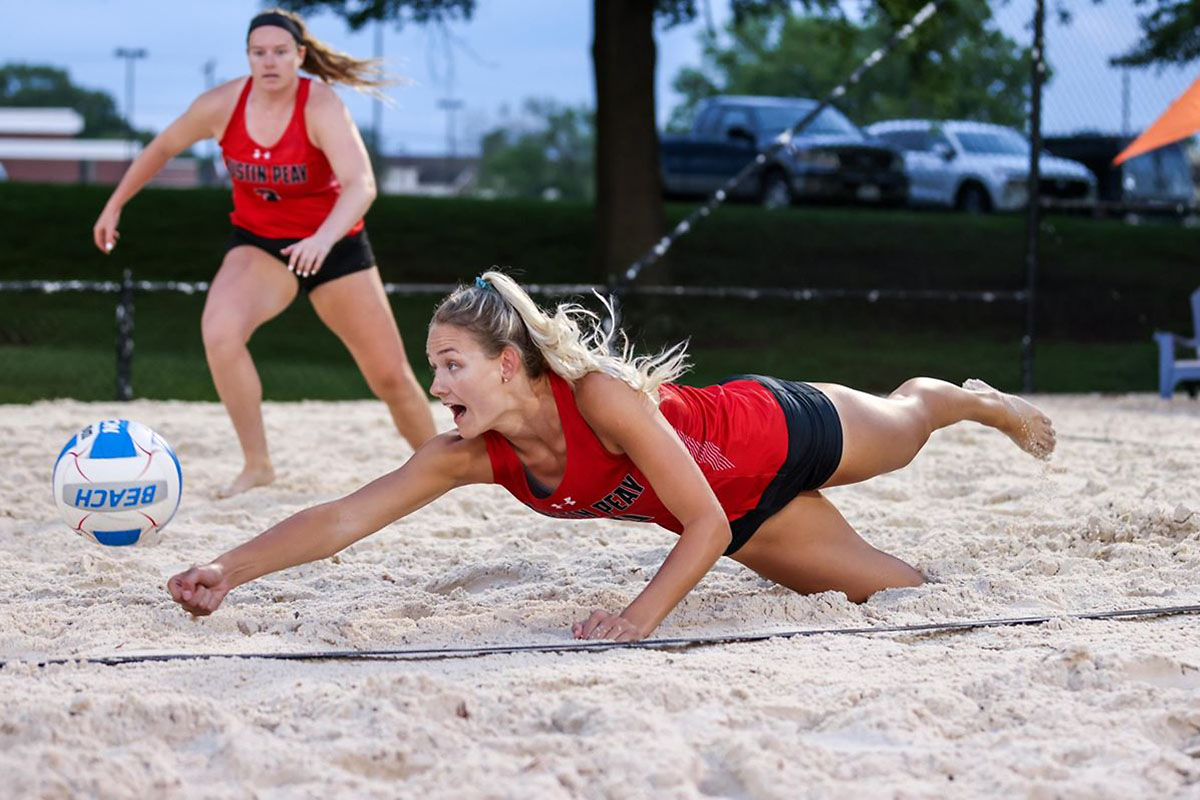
44	86
1170	35
546	154
980	74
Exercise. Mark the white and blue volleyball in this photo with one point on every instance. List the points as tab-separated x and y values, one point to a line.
117	483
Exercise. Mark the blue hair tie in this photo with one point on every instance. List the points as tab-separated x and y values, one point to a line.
482	284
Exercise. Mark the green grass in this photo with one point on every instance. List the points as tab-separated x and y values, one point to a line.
1103	288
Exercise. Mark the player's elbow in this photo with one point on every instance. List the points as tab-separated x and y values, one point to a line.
713	530
370	190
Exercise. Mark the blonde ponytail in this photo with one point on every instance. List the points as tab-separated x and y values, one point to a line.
500	313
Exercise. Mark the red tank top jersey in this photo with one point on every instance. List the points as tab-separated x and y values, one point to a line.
284	191
735	432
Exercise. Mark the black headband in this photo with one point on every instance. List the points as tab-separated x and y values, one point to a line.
279	21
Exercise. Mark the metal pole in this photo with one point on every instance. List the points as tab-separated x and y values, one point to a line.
125	337
1033	210
1125	127
377	103
130	54
208	170
450	106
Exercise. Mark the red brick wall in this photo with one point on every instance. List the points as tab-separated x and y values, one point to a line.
34	171
105	173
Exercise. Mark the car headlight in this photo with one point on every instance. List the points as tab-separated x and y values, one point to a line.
820	159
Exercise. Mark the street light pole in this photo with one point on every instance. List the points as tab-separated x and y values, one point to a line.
208	164
1033	211
1126	130
130	54
377	102
450	106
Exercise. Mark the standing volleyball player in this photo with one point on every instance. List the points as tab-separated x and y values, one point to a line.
302	181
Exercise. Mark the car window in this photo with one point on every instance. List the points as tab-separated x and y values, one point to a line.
1000	142
734	118
706	123
1173	171
773	120
913	141
893	137
1139	174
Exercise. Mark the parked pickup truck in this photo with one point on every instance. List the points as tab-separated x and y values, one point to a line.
830	160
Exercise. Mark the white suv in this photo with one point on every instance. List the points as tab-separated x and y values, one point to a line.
976	166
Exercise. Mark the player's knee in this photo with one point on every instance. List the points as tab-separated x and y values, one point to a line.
221	334
899	576
918	387
925	400
393	385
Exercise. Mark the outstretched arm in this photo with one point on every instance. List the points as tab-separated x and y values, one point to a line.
625	418
443	463
200	121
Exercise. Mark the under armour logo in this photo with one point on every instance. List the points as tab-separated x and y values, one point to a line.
264	154
566	502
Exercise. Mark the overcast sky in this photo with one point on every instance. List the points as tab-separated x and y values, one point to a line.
509	51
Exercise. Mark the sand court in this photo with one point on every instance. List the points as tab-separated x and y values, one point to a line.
1069	708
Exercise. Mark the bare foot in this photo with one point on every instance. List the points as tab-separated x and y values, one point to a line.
250	477
1032	430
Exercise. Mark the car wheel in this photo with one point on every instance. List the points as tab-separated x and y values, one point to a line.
776	193
973	199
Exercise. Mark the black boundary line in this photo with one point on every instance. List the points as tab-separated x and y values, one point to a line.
436	654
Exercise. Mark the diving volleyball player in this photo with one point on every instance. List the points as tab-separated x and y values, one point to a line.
542	408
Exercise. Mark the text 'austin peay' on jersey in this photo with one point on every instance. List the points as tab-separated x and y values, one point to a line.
281	191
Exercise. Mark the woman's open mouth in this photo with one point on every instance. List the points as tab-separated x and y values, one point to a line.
457	411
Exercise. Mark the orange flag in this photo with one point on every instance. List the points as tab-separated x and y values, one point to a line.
1181	120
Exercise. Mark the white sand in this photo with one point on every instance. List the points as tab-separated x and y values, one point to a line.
1066	709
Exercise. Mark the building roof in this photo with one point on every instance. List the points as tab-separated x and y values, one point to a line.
39	121
67	149
436	169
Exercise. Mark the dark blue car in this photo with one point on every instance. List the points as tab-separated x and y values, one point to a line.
832	159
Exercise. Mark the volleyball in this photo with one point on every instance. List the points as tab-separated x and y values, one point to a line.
118	483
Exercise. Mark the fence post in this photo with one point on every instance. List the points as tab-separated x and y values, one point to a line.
125	337
1033	210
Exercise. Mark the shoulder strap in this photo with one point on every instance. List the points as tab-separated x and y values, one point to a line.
575	427
506	467
238	120
299	118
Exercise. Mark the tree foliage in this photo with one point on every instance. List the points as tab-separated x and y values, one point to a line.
547	154
957	66
1170	34
44	86
358	13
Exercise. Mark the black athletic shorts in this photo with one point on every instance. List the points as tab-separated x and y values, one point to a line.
813	455
350	254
